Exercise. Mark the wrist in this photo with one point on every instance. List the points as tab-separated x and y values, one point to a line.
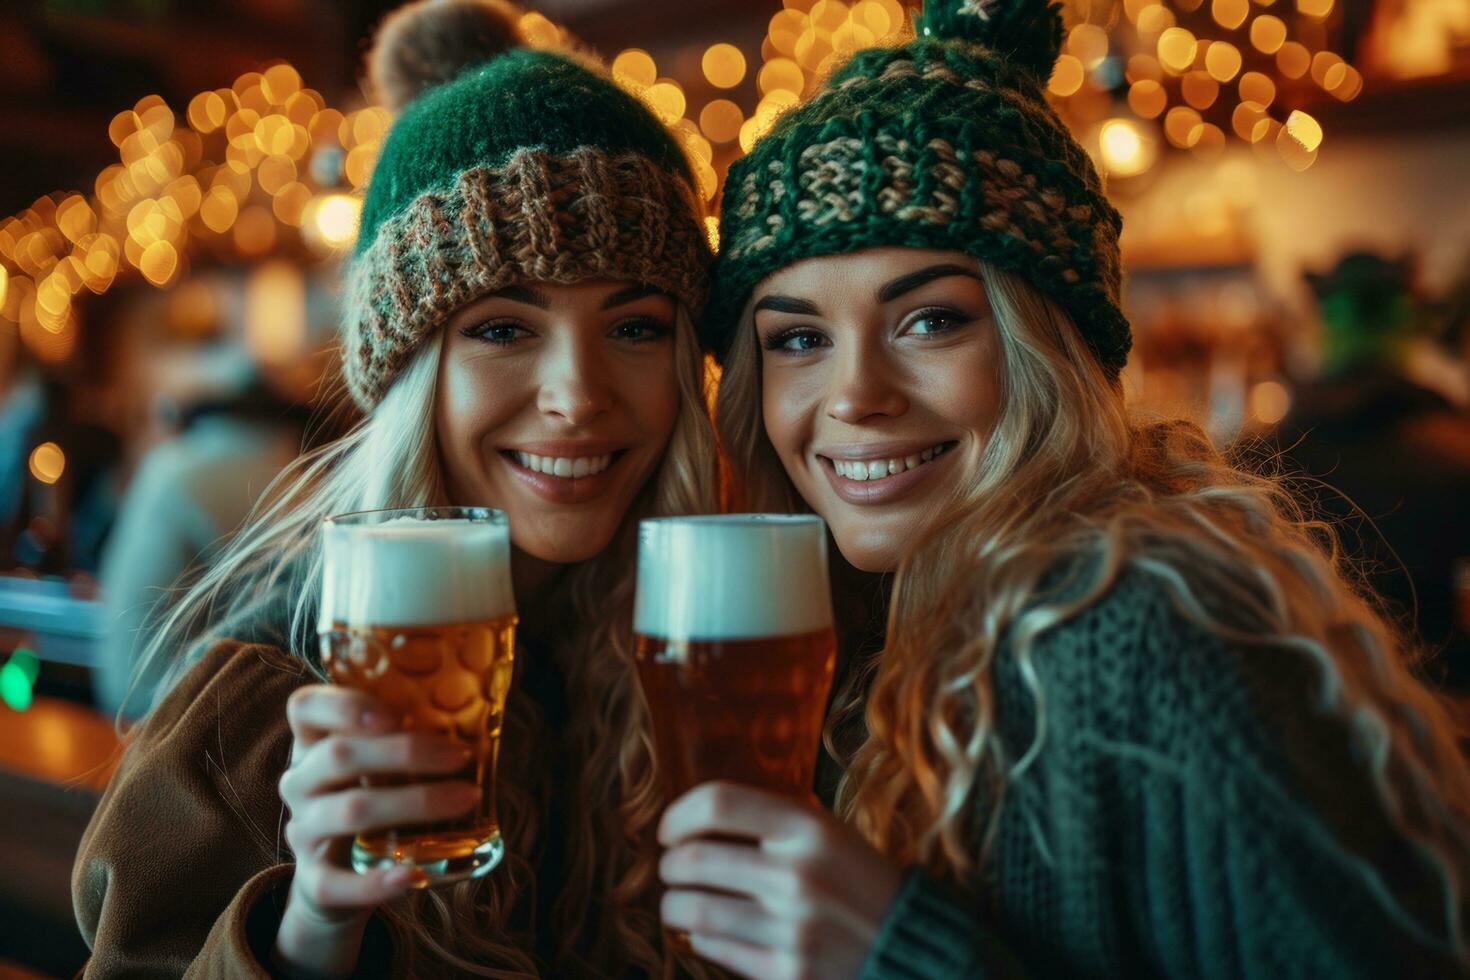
309	947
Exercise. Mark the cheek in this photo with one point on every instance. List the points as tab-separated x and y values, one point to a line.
474	398
786	409
964	388
651	391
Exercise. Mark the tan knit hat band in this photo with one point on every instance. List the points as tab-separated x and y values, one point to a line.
539	218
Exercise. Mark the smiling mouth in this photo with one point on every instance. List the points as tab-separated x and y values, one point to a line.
873	470
564	467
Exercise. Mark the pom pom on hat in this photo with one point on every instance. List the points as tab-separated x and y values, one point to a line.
1028	32
430	42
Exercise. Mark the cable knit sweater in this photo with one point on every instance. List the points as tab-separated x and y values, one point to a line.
1193	812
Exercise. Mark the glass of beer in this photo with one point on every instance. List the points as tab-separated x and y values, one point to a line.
417	610
734	647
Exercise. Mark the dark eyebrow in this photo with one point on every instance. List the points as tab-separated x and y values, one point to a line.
630	294
912	281
523	294
787	304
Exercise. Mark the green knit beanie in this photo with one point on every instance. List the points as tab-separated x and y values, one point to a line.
504	164
944	143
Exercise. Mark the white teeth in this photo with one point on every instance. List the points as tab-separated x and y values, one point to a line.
861	470
564	466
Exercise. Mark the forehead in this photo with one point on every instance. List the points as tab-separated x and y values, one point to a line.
864	271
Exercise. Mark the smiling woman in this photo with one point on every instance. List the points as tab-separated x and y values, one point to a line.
517	329
550	406
901	334
1131	716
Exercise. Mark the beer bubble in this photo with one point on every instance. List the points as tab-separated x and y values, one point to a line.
452	690
474	657
398	694
415	659
365	658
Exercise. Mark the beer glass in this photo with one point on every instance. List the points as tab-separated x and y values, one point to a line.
734	647
417	611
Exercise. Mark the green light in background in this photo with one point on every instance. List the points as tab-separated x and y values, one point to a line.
18	678
26	659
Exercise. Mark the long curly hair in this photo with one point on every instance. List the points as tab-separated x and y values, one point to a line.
266	581
1067	474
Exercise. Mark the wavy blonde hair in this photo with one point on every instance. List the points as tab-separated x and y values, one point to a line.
1066	474
264	586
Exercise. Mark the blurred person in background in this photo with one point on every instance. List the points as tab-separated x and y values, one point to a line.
189	492
1393	452
55	517
22	405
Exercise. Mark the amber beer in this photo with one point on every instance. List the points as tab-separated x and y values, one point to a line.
735	648
417	611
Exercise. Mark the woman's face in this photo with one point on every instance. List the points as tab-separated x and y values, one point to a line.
880	387
555	405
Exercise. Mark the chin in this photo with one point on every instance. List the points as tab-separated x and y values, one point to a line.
564	546
868	550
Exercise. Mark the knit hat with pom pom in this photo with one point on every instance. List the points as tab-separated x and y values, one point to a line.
944	143
504	164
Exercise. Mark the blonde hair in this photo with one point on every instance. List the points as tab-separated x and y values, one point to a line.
1066	474
603	919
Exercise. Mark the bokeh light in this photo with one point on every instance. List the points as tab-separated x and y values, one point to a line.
724	65
1127	149
47	462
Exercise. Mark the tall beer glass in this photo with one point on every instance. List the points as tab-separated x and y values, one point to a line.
417	611
735	647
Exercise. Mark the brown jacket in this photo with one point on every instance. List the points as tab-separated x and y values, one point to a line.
183	870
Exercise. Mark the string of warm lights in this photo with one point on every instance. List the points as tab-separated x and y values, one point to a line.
246	164
266	157
1178	77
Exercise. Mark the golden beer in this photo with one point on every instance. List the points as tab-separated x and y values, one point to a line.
745	710
417	611
450	679
734	647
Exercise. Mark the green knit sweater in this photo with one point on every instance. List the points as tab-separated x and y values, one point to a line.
1193	812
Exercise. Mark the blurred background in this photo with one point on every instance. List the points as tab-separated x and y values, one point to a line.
179	182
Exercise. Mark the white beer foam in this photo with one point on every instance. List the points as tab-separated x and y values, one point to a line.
741	576
409	572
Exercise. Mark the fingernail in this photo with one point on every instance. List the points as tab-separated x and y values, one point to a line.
399	876
373	718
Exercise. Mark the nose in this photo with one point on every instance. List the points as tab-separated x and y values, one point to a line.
574	384
865	386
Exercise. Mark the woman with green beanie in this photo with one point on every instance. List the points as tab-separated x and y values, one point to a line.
517	329
1129	717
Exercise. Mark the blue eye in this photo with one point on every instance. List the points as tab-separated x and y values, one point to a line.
930	322
500	332
798	340
642	330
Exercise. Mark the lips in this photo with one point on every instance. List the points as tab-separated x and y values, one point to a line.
880	475
562	475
